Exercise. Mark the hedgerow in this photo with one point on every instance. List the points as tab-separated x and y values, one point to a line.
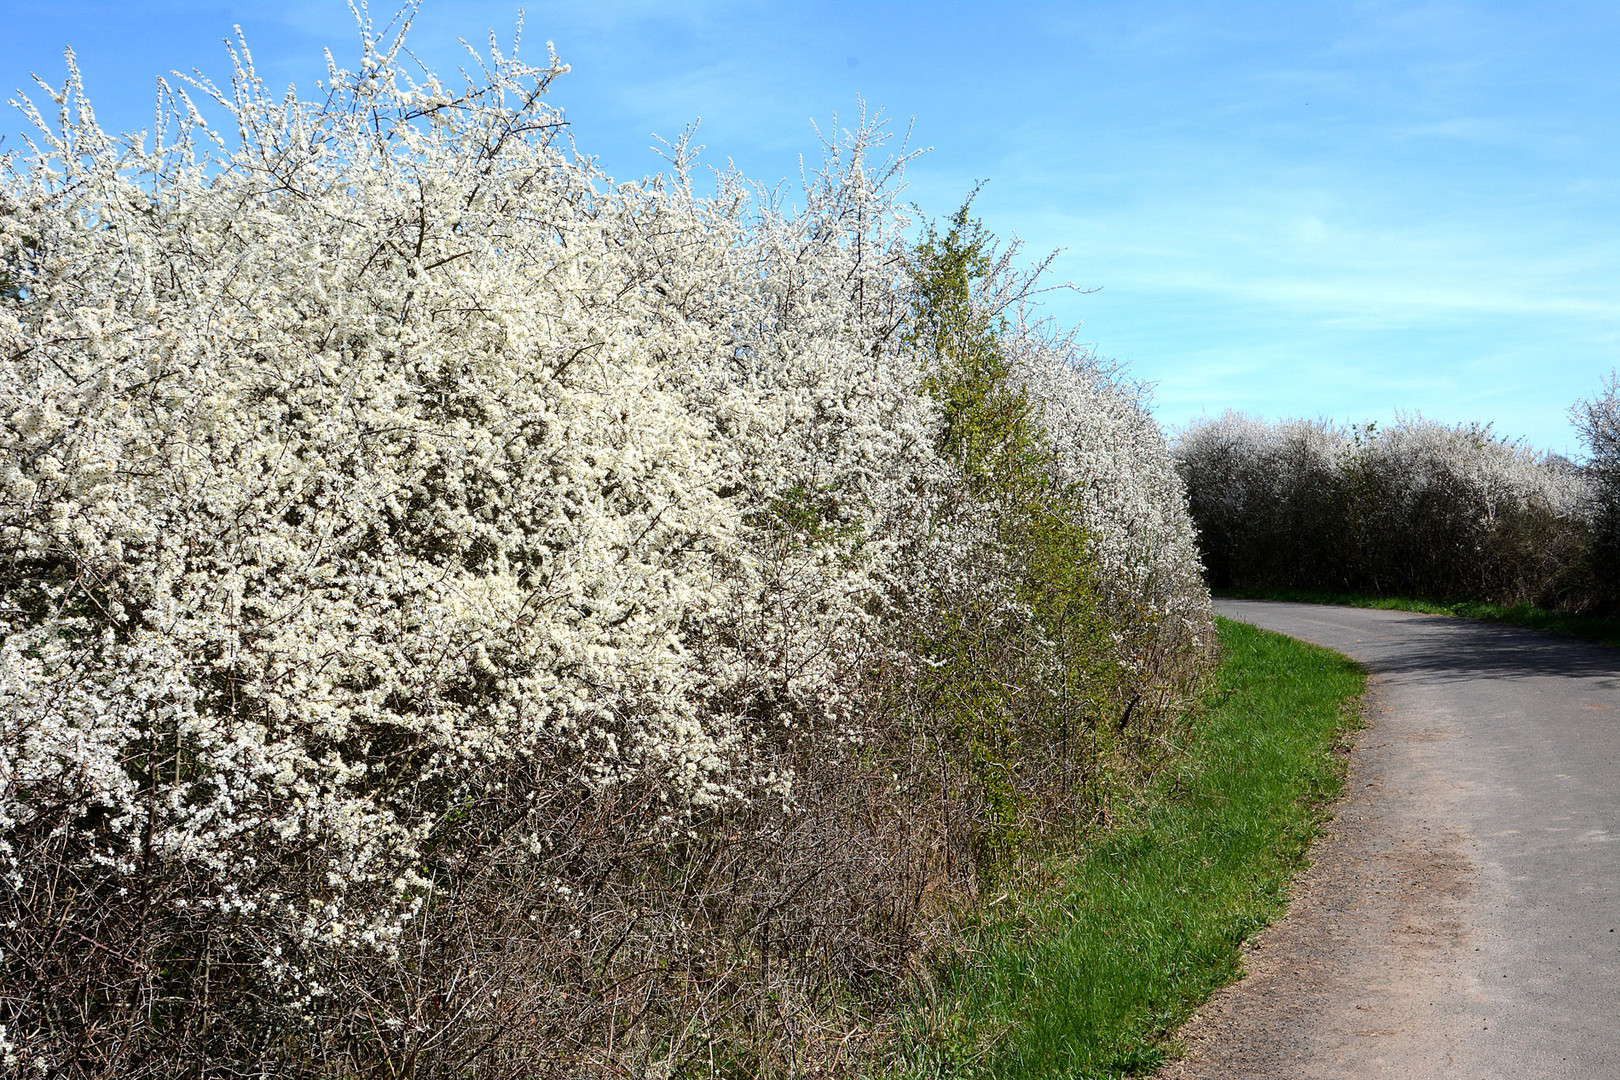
462	615
1417	509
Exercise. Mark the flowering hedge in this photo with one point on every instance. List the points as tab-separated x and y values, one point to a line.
1598	423
460	614
1418	509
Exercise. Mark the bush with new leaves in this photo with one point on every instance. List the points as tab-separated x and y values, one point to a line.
1111	617
460	615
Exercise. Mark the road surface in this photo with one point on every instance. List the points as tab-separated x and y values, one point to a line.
1462	914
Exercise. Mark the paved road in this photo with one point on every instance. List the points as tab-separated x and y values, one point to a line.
1462	914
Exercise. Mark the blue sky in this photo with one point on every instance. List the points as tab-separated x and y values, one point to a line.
1293	209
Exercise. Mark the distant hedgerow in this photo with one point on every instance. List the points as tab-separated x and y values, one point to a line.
1417	509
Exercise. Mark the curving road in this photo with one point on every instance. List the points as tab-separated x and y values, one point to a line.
1462	914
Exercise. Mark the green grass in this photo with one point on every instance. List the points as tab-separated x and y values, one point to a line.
1089	975
1590	627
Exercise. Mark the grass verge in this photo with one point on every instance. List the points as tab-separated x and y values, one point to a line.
1591	627
1089	975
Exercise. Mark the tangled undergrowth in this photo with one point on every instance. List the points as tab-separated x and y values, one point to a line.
464	616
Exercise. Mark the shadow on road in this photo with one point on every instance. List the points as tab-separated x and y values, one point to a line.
1397	643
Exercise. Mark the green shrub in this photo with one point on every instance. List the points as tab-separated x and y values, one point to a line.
1023	686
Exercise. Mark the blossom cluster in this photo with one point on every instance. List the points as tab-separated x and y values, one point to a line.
1133	500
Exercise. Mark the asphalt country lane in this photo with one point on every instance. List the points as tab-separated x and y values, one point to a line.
1462	914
